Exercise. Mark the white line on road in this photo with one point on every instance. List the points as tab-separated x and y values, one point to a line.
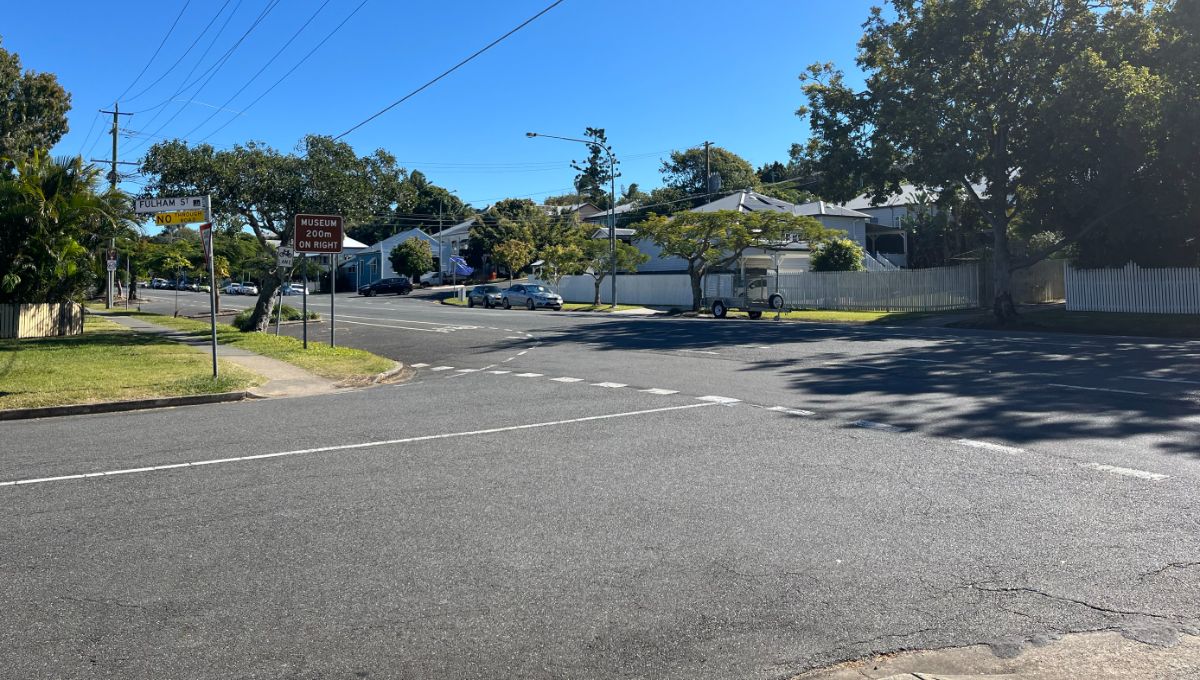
698	351
612	385
1128	472
873	368
418	365
989	446
403	328
791	411
348	447
499	372
528	375
522	352
872	425
423	323
468	370
565	379
659	391
1097	389
1166	380
714	399
441	368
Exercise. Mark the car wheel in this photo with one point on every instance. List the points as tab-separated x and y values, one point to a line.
557	309
507	303
487	304
529	305
755	314
470	302
719	310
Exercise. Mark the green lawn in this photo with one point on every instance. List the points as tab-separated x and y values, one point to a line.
107	363
335	363
1060	320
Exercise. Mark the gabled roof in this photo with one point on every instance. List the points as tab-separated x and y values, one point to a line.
601	216
822	208
461	229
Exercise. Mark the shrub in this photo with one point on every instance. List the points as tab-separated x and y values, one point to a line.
290	313
838	255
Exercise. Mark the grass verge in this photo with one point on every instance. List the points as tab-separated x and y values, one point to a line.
335	363
829	316
107	363
1060	320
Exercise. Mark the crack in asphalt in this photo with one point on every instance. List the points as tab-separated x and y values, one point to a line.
1168	566
1082	603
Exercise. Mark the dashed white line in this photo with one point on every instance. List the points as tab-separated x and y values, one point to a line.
528	375
418	365
612	385
1098	389
791	411
872	425
522	352
989	446
1127	472
565	379
348	447
924	361
1166	380
441	368
712	398
468	370
659	391
499	372
699	351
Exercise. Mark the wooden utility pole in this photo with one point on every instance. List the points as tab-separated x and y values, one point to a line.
113	179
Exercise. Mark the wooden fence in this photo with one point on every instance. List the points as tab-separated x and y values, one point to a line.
40	320
905	290
1133	289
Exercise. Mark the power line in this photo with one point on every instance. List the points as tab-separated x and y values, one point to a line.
170	68
452	69
216	67
260	71
289	72
89	134
157	49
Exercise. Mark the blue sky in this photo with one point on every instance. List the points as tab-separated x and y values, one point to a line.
657	75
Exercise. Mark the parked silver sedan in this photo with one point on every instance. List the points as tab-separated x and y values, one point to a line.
531	296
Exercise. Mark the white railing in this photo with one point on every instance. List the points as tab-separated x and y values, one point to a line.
1174	290
877	264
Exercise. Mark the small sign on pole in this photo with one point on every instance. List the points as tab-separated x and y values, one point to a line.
284	257
148	206
179	217
112	265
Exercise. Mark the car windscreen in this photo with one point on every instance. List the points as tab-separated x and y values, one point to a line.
537	289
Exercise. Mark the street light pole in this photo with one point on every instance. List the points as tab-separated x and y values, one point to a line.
612	207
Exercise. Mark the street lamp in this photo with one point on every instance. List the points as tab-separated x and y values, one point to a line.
612	201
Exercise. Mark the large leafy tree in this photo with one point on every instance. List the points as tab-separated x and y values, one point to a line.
54	219
412	257
711	241
1031	100
684	173
597	261
513	255
263	189
420	204
33	109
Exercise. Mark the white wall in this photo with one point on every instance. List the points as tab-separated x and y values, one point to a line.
668	290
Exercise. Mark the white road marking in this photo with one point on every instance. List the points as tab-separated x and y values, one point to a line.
612	385
499	372
514	337
989	446
1128	472
423	323
529	375
522	352
1166	380
872	425
873	368
468	370
712	398
565	379
403	328
791	411
659	391
418	365
924	361
441	368
1097	389
698	351
349	447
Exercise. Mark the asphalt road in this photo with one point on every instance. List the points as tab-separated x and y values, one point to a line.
569	495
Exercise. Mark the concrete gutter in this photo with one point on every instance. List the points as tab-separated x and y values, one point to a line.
115	406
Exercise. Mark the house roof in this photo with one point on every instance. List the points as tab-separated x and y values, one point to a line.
746	201
909	195
461	229
822	208
397	238
602	232
603	214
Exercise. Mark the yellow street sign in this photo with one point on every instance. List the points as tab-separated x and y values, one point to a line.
179	217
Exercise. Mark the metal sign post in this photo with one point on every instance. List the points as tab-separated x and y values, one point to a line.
332	297
206	239
304	313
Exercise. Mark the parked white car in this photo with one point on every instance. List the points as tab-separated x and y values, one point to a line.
232	289
433	279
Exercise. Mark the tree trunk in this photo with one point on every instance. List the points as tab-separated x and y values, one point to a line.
133	289
596	297
1002	300
697	292
268	288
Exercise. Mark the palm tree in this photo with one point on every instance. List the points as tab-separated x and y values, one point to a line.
52	217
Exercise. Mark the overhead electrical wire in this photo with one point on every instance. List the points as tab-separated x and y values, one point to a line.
157	49
216	67
186	52
88	136
260	71
289	72
452	69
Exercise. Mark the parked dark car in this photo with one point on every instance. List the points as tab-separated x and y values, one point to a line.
399	285
487	295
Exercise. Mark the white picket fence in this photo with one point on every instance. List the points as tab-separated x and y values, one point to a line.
1174	290
667	290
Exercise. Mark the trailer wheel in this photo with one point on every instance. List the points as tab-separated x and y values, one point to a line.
755	313
719	310
776	301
